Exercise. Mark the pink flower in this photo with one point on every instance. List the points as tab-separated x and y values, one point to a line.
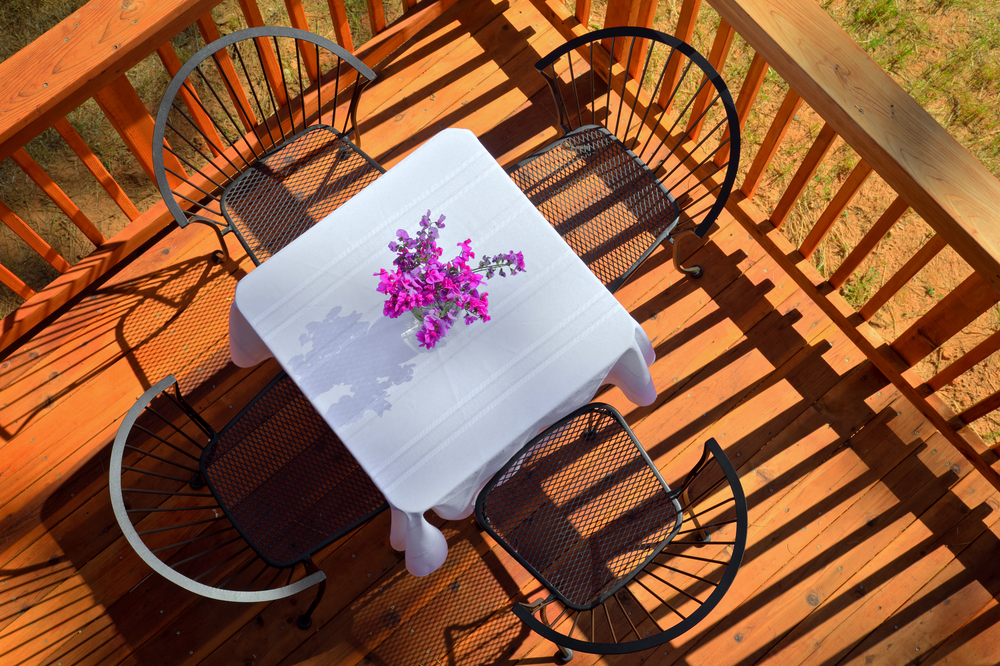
440	292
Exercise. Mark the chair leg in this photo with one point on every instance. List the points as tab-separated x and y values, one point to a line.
305	620
564	653
694	272
703	536
219	256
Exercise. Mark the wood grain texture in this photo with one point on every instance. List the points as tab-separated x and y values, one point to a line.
341	28
128	115
96	167
71	283
847	483
917	157
93	46
890	365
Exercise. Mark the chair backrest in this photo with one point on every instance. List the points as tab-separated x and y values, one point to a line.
682	122
632	562
241	98
210	510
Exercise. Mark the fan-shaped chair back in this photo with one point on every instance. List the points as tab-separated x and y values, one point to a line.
650	148
236	514
630	563
257	134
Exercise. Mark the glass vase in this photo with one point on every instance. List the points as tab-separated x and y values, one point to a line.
410	335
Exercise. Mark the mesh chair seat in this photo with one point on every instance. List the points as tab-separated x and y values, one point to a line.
237	514
602	199
293	188
257	134
632	562
584	525
285	480
631	171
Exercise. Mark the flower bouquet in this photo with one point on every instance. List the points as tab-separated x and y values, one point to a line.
437	293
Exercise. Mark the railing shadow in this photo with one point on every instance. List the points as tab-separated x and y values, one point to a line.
900	465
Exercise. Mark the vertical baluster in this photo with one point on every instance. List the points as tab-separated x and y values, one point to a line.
269	62
94	165
128	115
58	197
817	152
228	73
720	51
981	409
15	284
297	15
744	101
376	16
32	239
341	28
684	31
974	356
837	205
949	316
902	276
870	240
779	126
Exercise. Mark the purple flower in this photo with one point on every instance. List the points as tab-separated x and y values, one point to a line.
441	292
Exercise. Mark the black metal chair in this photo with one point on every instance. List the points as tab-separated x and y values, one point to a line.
236	514
630	562
632	170
261	149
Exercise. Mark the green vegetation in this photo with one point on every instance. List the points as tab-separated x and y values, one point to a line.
860	288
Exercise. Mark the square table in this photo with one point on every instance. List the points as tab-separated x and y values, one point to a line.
431	427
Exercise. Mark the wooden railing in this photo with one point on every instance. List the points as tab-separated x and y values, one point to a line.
87	55
895	138
890	133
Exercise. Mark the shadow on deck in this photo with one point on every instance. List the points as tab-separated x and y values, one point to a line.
871	540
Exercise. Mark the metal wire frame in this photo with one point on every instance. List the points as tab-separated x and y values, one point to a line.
164	503
633	170
664	594
264	159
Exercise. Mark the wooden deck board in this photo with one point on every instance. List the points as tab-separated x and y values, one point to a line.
869	537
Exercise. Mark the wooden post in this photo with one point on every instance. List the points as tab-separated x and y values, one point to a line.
128	115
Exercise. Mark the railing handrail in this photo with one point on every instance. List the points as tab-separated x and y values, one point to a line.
881	122
60	70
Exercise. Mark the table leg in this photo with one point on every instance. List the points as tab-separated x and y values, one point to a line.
425	546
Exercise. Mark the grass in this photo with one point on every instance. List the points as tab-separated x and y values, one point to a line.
21	22
860	288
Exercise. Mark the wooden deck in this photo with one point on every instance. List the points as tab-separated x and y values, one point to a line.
871	541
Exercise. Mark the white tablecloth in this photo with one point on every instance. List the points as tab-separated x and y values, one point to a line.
432	427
